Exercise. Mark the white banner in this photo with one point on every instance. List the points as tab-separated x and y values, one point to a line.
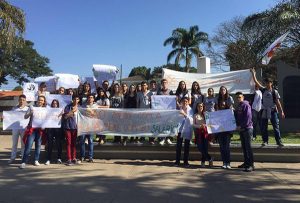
46	117
49	80
234	81
63	100
105	72
66	80
220	121
14	120
163	102
30	90
129	122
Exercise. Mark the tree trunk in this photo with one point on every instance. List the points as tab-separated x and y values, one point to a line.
187	63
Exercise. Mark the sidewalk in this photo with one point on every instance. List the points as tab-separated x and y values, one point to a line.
145	181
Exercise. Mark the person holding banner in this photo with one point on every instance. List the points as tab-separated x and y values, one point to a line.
102	102
185	132
164	90
182	92
224	101
54	134
197	96
270	106
130	102
90	105
70	129
116	101
243	117
143	100
16	133
33	135
201	135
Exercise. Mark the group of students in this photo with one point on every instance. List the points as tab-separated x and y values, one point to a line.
192	105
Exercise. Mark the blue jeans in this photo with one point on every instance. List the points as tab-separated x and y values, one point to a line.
256	119
224	142
90	146
246	137
275	124
34	137
203	148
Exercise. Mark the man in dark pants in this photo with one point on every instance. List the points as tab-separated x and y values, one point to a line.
243	117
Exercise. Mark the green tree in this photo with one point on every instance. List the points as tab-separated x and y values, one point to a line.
141	71
186	44
12	24
23	63
282	17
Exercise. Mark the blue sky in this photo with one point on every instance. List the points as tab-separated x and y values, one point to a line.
74	34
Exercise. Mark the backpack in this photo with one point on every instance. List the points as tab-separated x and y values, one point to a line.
273	95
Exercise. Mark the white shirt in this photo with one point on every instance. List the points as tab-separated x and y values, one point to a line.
257	102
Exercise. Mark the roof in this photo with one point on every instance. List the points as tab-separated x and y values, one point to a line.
10	93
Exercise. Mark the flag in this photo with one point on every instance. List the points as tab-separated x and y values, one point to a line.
269	52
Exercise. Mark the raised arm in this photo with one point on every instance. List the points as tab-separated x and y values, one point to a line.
252	70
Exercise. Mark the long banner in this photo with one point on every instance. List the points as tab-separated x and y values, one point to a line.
129	122
234	81
220	121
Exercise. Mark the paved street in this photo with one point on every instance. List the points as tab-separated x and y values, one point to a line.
145	181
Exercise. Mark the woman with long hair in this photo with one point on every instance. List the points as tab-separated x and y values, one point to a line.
33	134
197	96
224	101
182	92
54	134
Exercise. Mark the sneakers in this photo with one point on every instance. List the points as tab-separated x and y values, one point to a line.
124	143
101	142
75	161
47	162
224	166
186	165
280	144
176	164
152	143
36	163
59	161
22	166
202	164
91	160
228	166
69	163
169	141
211	163
264	144
161	143
249	169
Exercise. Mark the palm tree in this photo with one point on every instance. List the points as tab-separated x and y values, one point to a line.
185	44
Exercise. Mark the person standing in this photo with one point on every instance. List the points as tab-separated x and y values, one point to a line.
201	135
143	100
164	90
270	106
256	110
185	132
243	117
197	96
34	134
116	101
54	134
70	129
16	133
90	105
224	101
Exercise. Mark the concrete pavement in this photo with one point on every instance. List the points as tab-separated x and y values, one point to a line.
145	181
